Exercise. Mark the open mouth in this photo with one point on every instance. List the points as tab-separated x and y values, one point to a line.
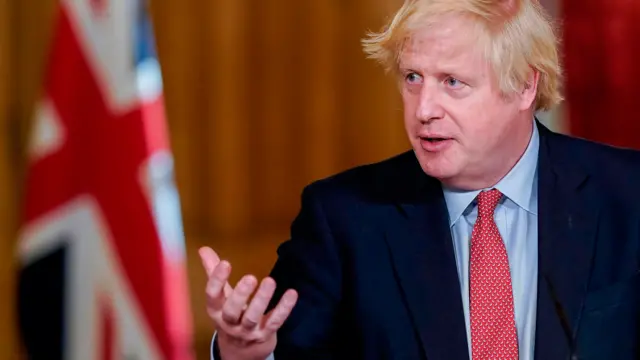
434	139
434	143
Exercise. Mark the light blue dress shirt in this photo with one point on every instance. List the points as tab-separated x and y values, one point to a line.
517	220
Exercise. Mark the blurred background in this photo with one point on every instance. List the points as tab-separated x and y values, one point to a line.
263	97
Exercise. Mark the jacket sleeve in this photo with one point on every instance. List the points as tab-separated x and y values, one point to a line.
310	263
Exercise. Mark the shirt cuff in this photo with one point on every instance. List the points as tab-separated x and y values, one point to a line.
213	343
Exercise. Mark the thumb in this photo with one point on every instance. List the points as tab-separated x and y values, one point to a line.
209	259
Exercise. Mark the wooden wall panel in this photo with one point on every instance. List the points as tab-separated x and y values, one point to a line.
6	175
262	97
374	119
179	29
321	113
8	340
281	82
230	94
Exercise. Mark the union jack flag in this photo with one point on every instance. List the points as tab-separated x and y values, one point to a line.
101	248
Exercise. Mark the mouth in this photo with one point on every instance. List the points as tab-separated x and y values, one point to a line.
434	143
433	139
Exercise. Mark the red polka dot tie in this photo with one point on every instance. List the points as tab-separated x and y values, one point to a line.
493	328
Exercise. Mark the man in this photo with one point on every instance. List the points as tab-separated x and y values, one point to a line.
494	238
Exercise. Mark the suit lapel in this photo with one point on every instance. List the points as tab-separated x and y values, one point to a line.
422	251
568	218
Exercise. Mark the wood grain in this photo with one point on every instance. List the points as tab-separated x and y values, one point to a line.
262	97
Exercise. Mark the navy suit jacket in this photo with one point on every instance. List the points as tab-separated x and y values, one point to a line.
372	257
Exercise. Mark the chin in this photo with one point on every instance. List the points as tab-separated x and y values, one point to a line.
440	174
437	167
440	164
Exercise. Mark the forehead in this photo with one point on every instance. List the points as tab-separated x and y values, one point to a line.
451	41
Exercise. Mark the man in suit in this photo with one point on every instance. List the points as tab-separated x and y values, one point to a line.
494	238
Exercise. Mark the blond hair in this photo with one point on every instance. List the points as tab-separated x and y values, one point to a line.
517	34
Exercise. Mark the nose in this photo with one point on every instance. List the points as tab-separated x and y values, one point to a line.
429	107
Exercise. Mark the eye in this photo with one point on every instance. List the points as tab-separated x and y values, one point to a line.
413	78
453	82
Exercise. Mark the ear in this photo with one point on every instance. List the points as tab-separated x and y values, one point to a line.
529	90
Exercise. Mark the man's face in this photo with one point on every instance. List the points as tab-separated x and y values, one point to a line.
463	130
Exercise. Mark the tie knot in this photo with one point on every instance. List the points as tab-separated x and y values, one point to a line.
487	202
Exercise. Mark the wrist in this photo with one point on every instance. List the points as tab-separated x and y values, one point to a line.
230	349
223	351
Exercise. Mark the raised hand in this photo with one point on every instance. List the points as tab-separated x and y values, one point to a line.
245	332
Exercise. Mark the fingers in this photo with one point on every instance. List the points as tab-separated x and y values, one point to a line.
254	312
236	302
228	307
280	313
216	285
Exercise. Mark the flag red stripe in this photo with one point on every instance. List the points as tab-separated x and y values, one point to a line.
106	319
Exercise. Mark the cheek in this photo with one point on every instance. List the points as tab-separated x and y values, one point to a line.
475	131
477	118
468	118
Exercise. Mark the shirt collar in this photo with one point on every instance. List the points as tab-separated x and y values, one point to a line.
519	185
